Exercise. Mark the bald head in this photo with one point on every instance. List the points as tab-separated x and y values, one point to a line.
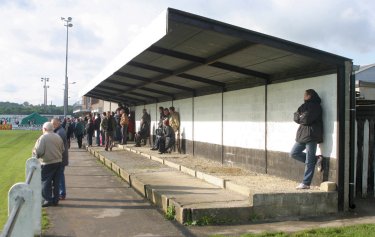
47	127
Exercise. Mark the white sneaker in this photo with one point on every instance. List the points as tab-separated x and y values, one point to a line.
303	186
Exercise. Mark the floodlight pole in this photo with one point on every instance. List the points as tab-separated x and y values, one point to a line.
45	79
67	24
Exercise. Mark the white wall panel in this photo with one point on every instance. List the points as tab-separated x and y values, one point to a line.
207	119
244	116
284	99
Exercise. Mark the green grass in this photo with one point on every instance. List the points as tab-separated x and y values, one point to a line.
15	149
365	230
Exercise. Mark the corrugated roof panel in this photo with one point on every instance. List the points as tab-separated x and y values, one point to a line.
190	53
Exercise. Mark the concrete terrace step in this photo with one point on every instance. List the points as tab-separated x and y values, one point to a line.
193	199
198	196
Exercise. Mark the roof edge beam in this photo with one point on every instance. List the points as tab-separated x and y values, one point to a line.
157	92
202	80
167	84
119	83
142	95
240	70
149	67
110	88
135	77
175	54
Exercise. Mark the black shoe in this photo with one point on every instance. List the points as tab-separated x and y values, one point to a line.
319	163
153	149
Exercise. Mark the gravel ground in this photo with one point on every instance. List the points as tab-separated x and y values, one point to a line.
257	182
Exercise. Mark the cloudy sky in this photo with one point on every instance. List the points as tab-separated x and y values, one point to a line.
33	37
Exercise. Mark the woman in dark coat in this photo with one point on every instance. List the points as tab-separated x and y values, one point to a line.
309	134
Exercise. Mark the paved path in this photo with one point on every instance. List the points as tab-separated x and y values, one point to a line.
100	204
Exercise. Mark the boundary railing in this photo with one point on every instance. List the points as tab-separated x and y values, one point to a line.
25	204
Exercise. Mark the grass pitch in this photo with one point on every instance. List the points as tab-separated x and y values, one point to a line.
15	149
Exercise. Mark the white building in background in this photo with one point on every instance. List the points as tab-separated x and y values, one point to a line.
365	82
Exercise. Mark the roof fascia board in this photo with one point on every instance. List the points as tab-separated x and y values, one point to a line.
106	94
153	33
101	96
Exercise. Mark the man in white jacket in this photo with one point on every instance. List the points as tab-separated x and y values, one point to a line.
49	149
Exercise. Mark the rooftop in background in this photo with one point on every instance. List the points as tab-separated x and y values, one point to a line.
366	75
183	55
363	68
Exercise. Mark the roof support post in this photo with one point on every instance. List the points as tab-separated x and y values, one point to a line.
352	141
343	83
222	126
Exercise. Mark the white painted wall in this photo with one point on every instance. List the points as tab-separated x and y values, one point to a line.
244	116
207	119
367	93
285	98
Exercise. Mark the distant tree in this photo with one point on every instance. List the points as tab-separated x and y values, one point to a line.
26	108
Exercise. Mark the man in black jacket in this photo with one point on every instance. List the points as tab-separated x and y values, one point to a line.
65	156
309	134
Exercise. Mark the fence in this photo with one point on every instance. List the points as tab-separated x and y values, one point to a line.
364	153
25	204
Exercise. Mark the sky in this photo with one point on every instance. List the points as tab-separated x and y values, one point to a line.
33	36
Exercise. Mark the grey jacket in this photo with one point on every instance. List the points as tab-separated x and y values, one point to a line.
49	148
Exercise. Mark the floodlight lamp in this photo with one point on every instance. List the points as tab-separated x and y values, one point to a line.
62	18
69	18
70	25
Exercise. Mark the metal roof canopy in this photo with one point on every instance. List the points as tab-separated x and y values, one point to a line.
185	55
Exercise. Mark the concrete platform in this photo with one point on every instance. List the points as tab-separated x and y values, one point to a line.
203	191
